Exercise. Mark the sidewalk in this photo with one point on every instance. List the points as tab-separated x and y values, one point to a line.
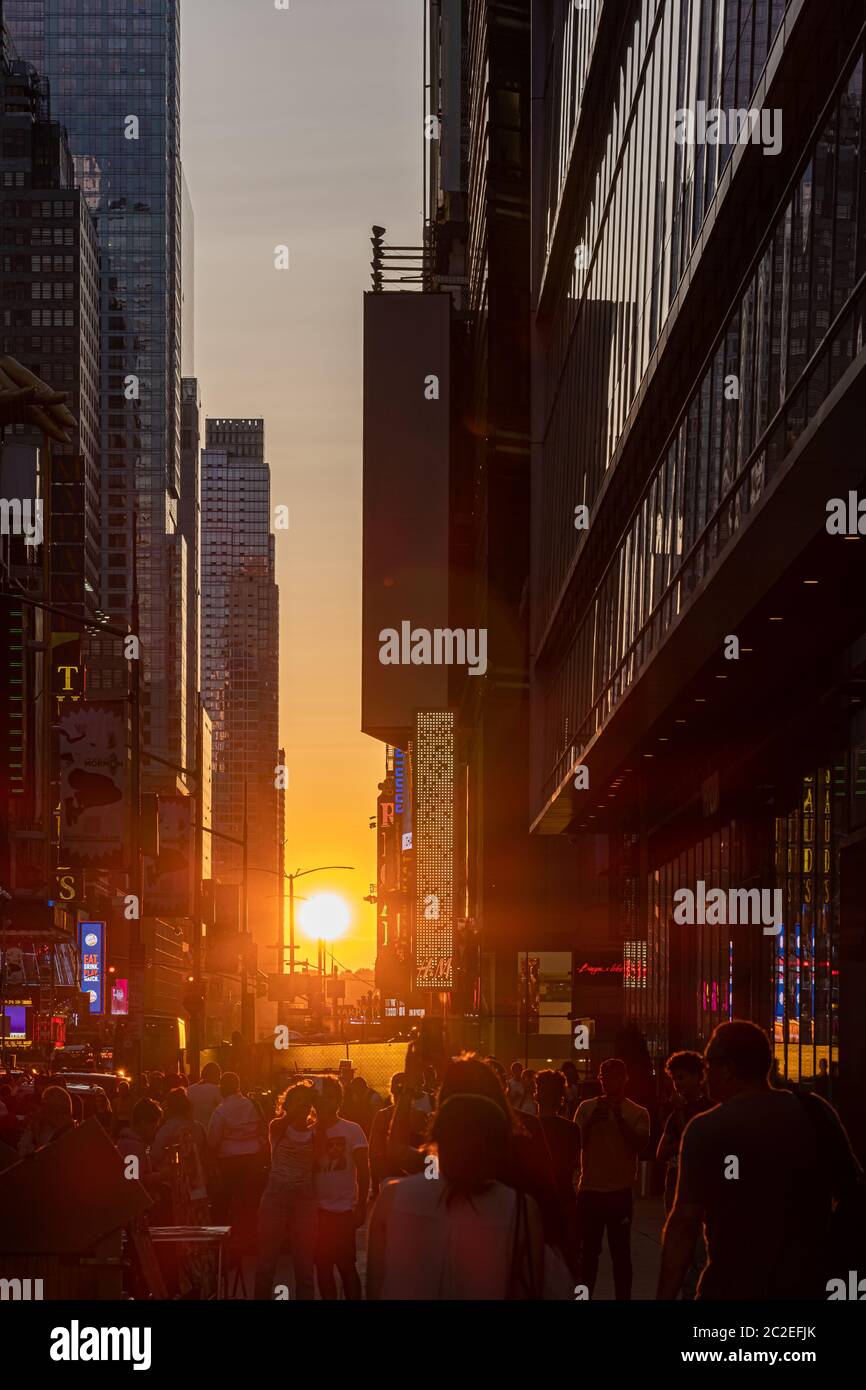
646	1242
645	1250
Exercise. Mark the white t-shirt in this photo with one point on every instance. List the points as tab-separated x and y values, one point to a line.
334	1171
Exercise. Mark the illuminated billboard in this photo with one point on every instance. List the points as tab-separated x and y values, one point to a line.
16	1023
120	998
91	944
433	842
92	758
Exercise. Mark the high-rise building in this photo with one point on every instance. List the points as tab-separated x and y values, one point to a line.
114	74
697	664
188	540
240	660
447	531
49	531
49	300
515	895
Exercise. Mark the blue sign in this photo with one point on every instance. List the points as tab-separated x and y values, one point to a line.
91	945
399	780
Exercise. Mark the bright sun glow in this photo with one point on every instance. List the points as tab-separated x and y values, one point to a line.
324	917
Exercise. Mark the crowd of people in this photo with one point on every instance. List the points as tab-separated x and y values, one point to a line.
489	1183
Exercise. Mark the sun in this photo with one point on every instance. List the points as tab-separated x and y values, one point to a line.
324	917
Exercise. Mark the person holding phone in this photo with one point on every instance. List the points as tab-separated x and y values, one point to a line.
614	1133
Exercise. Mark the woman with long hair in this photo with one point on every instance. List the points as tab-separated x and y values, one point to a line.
287	1211
524	1162
468	1075
454	1231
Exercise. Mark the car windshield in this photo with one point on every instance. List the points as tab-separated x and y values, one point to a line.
103	1080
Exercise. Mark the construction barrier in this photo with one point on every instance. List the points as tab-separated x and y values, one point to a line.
375	1061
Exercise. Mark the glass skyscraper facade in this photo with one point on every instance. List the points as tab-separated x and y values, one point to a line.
699	326
725	450
240	655
49	300
113	66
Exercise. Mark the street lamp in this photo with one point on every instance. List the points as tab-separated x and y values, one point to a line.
300	873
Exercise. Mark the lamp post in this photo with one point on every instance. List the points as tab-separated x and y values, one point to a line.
301	873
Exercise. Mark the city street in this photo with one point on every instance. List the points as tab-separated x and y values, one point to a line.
432	674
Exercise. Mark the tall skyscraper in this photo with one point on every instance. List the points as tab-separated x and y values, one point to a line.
49	298
189	539
240	658
49	321
114	74
459	558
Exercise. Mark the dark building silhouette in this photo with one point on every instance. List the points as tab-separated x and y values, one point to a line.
188	555
511	898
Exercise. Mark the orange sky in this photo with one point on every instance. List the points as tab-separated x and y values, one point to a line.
303	127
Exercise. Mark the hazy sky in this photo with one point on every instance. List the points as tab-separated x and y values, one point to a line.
303	127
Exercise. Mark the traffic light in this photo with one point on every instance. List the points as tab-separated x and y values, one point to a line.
194	996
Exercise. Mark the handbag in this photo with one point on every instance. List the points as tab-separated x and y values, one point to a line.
522	1283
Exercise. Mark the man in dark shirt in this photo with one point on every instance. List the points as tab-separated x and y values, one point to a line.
761	1170
556	1141
686	1071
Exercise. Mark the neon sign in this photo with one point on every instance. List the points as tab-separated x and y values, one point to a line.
399	780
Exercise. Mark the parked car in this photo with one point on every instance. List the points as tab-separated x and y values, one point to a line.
106	1081
89	1095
